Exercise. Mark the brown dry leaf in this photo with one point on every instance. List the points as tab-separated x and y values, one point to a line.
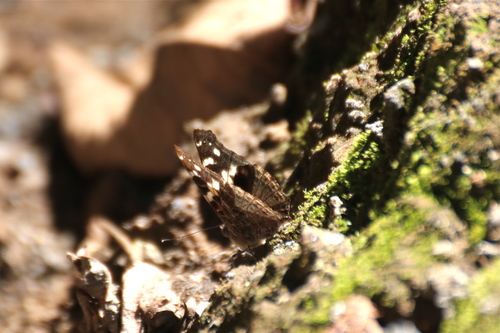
95	107
150	302
4	49
96	294
151	298
225	55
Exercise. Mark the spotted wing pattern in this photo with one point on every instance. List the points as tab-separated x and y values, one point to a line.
247	199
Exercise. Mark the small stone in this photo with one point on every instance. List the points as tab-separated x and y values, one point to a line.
474	63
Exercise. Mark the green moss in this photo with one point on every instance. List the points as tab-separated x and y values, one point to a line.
479	25
412	45
443	164
317	311
480	310
302	126
443	156
297	144
395	248
348	178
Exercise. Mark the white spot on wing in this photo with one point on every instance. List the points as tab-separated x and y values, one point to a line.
215	185
208	161
199	143
209	196
232	170
216	152
197	167
224	174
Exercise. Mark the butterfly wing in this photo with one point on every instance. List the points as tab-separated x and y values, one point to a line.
252	221
247	198
235	169
207	181
254	179
215	156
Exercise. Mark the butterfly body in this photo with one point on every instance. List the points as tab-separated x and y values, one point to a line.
247	199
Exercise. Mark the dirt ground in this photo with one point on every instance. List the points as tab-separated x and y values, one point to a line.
51	205
93	96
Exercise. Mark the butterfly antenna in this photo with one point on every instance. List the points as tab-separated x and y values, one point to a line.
189	235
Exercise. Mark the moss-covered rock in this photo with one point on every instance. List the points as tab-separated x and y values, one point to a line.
399	149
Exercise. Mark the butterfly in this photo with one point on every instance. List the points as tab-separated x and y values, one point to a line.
248	200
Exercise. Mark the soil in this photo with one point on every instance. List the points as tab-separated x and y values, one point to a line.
112	251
